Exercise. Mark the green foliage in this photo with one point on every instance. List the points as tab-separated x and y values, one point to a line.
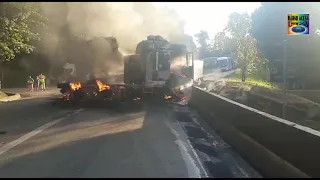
245	51
251	81
224	44
202	39
239	25
20	25
241	45
219	42
269	28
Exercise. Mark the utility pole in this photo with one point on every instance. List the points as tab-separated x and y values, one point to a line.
244	68
284	99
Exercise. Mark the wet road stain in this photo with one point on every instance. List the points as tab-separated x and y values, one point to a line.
195	132
206	149
214	152
219	170
183	117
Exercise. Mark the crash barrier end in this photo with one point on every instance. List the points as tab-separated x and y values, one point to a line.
274	146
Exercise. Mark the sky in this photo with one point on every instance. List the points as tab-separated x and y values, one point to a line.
198	14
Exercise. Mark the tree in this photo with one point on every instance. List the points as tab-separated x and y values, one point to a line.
246	53
224	44
202	39
269	29
20	25
220	41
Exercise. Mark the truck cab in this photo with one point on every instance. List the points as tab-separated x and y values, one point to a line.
151	65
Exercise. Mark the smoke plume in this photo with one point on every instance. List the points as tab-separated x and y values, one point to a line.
130	22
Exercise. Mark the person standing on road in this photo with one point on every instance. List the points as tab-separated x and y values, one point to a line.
38	83
42	80
30	83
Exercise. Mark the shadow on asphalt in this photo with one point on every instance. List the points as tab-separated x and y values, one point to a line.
20	117
93	144
33	104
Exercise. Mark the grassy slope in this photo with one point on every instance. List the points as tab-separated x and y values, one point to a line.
273	92
235	81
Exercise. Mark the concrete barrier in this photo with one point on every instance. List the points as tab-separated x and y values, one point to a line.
312	95
274	146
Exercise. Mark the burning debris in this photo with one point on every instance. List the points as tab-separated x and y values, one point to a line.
93	89
166	97
101	86
75	85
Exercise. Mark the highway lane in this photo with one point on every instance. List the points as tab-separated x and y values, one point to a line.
22	116
217	74
40	139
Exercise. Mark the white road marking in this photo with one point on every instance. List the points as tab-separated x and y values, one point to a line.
188	144
193	169
29	135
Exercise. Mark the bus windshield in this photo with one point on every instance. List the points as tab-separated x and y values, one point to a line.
222	62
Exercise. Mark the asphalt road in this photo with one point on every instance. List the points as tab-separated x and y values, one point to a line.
42	139
25	93
217	74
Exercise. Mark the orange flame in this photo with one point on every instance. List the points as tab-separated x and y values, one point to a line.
75	85
102	87
167	97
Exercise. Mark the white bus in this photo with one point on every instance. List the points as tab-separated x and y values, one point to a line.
225	63
209	62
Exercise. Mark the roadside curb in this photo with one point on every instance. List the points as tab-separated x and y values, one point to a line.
11	97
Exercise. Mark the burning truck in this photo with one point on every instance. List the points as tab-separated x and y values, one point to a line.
152	70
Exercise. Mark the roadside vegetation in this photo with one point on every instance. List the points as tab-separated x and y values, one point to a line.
258	51
251	81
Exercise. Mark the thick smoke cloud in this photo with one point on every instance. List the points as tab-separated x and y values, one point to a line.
129	22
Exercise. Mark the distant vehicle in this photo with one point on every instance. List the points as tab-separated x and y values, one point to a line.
210	62
225	64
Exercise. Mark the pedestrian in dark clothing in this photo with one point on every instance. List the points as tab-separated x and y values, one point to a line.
30	83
